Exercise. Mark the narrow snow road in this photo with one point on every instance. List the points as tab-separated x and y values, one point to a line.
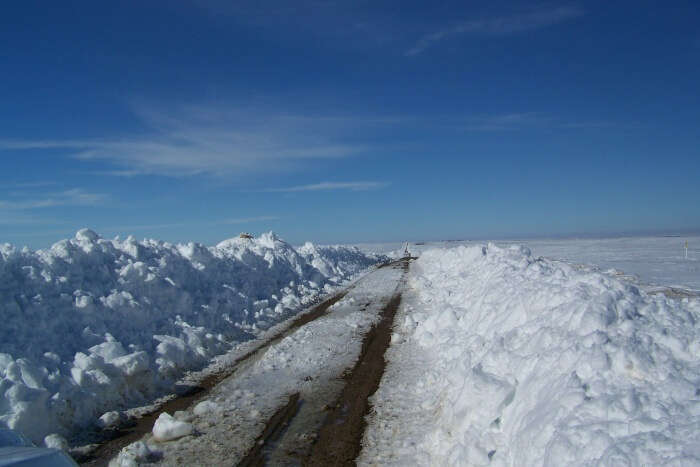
274	405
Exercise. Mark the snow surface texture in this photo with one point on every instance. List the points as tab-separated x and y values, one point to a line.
500	358
134	455
653	260
650	261
92	325
306	360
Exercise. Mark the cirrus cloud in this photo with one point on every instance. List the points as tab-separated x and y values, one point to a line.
325	186
499	26
72	197
193	140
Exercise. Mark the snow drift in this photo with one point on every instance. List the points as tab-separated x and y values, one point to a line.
500	358
92	325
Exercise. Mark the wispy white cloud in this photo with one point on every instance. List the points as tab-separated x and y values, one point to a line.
73	197
200	139
509	121
595	124
130	228
36	184
48	233
118	173
10	218
499	26
324	186
173	225
22	209
526	121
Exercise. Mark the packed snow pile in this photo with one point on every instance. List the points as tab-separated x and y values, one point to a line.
92	325
335	261
501	358
168	428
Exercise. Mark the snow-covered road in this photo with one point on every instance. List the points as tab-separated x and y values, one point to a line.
223	427
494	356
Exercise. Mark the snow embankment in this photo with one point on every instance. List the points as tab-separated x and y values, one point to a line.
500	358
92	325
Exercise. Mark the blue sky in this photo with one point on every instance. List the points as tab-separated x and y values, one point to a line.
348	121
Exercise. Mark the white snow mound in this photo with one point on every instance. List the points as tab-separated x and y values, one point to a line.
514	360
167	428
93	325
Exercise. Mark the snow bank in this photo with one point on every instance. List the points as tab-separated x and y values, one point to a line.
501	358
92	325
336	261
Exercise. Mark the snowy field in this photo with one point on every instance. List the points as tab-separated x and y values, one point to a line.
649	261
504	358
656	261
94	325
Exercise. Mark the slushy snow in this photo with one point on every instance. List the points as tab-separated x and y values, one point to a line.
500	358
93	326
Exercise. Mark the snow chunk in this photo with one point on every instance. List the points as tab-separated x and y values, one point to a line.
86	235
56	441
135	454
167	428
111	419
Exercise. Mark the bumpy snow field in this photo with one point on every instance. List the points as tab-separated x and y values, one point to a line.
500	358
92	325
652	262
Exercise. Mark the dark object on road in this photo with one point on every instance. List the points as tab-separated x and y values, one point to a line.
15	449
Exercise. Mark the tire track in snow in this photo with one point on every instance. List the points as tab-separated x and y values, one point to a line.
273	430
291	439
144	424
339	439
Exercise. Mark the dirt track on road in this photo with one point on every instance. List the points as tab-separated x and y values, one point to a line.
340	437
320	425
326	426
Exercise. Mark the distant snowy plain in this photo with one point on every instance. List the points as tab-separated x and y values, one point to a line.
91	325
647	261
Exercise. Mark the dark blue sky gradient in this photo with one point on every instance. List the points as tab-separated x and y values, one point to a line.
347	121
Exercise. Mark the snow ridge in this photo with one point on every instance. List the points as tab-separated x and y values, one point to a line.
92	325
501	358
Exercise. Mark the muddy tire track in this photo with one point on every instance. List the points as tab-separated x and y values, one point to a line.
339	440
273	430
